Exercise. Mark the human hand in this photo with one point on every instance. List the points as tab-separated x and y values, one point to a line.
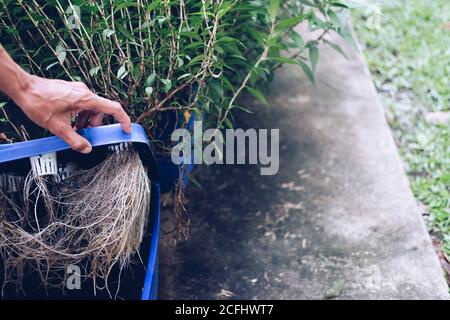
52	103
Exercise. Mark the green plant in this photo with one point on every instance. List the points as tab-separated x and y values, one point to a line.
408	56
166	55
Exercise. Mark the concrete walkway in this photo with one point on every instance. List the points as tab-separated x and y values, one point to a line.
338	221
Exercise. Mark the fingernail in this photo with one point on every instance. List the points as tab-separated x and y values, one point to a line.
86	150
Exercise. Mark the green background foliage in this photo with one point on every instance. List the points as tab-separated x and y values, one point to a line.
408	54
158	56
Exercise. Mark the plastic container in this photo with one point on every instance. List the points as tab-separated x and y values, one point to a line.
40	155
170	172
44	164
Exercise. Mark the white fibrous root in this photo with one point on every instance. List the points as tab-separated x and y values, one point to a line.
95	218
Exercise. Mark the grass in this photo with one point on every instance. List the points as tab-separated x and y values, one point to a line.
409	57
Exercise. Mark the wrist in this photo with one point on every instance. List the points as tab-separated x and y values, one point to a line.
14	81
22	89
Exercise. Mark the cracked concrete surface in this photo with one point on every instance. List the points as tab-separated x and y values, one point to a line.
338	221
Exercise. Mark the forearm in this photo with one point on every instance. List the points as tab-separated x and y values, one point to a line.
13	79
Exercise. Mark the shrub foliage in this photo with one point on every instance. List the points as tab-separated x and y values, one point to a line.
165	55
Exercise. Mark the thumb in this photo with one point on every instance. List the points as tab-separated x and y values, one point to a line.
74	140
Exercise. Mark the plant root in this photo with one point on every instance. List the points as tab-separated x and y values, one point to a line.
95	219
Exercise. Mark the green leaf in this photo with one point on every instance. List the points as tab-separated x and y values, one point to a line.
137	71
338	49
333	17
60	53
258	95
150	80
194	45
308	3
107	33
228	123
122	72
339	4
167	84
94	71
347	35
298	40
227	39
274	9
149	91
289	22
284	60
2	104
197	59
307	71
224	9
180	62
313	56
124	5
51	65
244	109
146	24
183	76
125	32
152	6
216	89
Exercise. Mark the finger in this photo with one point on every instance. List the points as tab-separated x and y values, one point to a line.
73	139
96	120
106	106
83	119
